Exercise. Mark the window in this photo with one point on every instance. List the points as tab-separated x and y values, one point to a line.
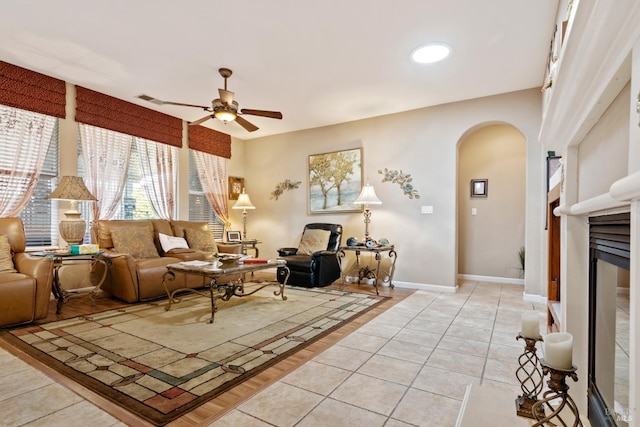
40	216
134	203
199	207
21	133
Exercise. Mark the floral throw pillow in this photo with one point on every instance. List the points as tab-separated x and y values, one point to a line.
135	241
201	240
313	241
6	261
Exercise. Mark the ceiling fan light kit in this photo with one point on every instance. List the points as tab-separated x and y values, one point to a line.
223	112
224	108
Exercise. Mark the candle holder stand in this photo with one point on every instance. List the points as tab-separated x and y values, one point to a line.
557	397
530	376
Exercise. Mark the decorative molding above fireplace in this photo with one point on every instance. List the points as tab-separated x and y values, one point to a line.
620	195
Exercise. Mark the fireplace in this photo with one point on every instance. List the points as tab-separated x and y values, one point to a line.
609	285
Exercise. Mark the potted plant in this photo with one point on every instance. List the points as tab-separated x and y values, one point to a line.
521	258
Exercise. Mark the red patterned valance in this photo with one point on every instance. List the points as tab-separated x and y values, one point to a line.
210	141
100	110
28	90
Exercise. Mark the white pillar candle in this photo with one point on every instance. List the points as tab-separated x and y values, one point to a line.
530	324
558	350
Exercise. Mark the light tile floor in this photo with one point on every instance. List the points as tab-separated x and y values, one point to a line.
408	367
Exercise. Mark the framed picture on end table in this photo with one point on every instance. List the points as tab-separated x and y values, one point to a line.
233	236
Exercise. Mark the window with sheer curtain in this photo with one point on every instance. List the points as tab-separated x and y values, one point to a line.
28	172
110	163
199	207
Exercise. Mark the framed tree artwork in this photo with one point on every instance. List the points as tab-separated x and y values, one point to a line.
335	181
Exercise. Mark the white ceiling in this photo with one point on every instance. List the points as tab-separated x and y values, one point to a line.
319	63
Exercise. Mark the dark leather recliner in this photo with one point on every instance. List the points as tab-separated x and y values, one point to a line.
319	269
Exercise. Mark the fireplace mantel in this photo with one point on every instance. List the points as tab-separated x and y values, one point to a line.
620	195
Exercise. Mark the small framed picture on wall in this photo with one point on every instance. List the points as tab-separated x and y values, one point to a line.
479	187
235	187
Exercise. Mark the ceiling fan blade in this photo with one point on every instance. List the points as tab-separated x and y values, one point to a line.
185	105
204	119
226	96
161	102
263	113
245	124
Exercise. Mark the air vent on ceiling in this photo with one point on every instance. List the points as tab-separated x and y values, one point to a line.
150	99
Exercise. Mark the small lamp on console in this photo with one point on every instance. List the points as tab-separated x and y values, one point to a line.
244	203
72	188
367	197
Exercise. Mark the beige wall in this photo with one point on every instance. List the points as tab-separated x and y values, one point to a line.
422	143
488	242
603	154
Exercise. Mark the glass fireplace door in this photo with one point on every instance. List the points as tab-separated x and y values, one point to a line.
609	287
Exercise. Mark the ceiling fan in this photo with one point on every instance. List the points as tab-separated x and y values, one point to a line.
224	108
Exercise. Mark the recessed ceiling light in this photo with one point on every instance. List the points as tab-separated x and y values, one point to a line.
432	52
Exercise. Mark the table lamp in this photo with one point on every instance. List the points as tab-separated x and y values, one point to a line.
244	203
367	197
72	188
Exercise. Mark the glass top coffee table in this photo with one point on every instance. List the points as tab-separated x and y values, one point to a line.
224	290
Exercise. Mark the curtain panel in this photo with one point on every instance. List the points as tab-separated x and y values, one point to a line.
212	171
97	109
159	166
106	157
28	90
25	137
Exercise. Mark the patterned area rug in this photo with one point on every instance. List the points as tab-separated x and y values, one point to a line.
160	364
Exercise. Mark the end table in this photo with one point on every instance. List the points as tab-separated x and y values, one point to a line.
60	257
365	272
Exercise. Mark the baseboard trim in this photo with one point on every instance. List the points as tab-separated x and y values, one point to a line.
426	287
508	280
536	299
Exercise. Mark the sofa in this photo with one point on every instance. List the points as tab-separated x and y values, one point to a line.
25	280
137	259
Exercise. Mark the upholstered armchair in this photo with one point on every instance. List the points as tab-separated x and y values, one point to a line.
313	263
25	280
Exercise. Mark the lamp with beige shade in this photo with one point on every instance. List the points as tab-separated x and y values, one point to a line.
72	188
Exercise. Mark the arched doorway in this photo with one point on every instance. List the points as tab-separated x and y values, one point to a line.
491	221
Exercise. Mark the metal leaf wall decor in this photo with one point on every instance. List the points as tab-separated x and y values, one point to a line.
282	186
403	180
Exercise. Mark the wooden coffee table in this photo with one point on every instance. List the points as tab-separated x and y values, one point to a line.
225	290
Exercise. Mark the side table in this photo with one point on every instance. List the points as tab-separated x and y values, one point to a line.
250	244
59	259
365	272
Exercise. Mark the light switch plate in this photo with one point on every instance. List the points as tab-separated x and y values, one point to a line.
426	210
474	211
